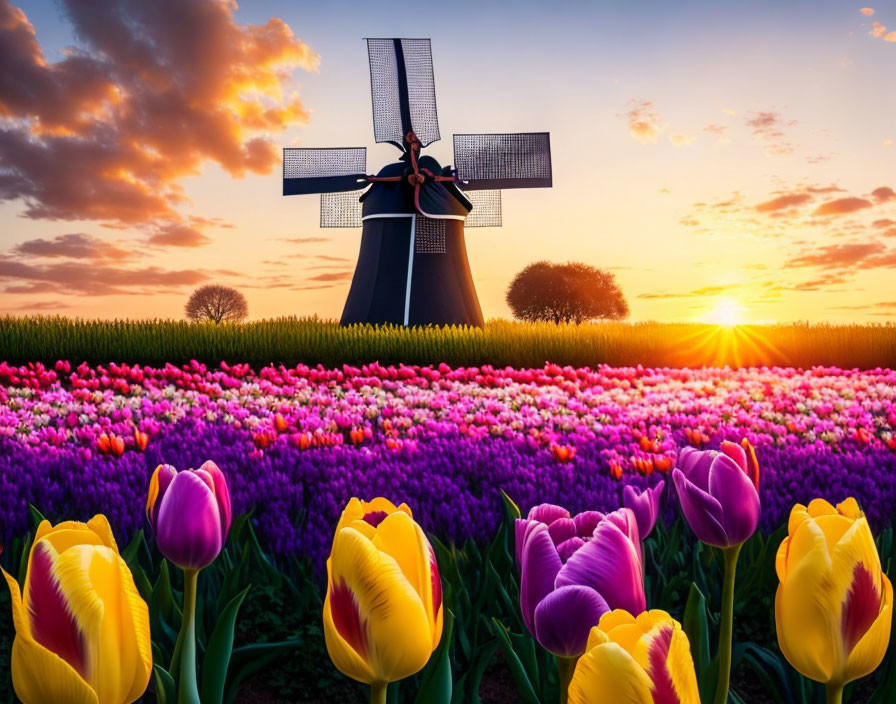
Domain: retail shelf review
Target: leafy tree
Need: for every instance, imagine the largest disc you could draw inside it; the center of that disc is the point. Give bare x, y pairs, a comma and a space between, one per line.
565, 293
218, 304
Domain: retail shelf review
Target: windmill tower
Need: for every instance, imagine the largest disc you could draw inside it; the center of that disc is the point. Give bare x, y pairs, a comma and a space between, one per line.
412, 266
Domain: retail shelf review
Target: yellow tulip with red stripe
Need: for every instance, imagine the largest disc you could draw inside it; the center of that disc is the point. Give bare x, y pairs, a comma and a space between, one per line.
82, 629
834, 605
383, 610
636, 660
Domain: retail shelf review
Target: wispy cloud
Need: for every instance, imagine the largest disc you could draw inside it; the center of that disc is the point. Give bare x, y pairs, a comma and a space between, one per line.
77, 245
643, 121
92, 279
768, 127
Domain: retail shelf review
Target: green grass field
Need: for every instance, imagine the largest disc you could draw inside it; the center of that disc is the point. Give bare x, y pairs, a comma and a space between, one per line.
500, 343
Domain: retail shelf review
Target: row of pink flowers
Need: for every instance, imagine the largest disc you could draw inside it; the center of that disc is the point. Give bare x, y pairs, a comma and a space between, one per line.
117, 408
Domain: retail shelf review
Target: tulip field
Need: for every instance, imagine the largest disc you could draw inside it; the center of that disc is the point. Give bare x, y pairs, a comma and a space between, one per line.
545, 533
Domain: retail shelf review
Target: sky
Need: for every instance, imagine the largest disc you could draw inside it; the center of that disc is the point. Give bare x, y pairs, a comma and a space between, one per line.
727, 161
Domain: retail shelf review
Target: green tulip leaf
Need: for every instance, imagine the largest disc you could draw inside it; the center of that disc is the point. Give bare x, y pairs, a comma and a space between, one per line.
524, 687
166, 690
694, 624
218, 651
36, 516
438, 683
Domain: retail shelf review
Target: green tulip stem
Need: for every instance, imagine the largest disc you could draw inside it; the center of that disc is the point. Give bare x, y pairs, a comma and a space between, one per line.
566, 667
727, 625
378, 692
833, 694
188, 691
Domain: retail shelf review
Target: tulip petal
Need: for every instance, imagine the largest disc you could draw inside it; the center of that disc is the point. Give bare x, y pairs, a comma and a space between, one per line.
400, 537
567, 548
670, 666
92, 580
158, 484
222, 494
702, 511
695, 465
607, 673
850, 508
645, 506
868, 653
99, 524
737, 495
609, 564
39, 675
135, 620
807, 615
68, 534
564, 618
53, 621
547, 513
188, 530
391, 614
586, 522
539, 566
562, 529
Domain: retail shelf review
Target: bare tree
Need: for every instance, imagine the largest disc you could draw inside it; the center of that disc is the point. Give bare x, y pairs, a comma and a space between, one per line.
565, 293
217, 303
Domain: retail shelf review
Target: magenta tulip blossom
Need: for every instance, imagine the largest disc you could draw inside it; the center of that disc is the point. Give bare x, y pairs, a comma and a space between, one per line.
190, 513
719, 492
575, 569
645, 505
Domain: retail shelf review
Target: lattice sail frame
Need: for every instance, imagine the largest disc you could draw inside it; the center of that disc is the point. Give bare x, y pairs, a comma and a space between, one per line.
403, 91
497, 161
324, 170
486, 210
340, 210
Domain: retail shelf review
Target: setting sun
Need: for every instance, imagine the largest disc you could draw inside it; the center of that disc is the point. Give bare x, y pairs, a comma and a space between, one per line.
727, 313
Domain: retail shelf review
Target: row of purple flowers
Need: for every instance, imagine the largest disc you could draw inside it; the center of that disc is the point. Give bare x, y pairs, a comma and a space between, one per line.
454, 483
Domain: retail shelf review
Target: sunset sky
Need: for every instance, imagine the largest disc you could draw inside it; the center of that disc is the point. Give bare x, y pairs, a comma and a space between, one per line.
728, 161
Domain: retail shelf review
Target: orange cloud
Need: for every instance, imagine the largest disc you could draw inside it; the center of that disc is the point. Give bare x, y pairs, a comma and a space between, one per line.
643, 121
867, 11
788, 200
155, 90
883, 194
842, 206
836, 256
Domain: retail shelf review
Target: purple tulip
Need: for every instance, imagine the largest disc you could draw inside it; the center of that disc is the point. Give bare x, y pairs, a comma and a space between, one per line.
190, 513
575, 569
645, 505
719, 492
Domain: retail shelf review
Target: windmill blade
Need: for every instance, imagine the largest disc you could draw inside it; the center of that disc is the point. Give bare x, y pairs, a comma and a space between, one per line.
307, 170
403, 90
340, 210
486, 210
495, 161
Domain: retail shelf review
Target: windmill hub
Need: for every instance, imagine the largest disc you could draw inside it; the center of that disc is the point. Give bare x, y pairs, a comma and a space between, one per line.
412, 266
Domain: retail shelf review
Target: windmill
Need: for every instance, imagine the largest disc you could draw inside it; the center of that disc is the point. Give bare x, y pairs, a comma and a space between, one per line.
412, 266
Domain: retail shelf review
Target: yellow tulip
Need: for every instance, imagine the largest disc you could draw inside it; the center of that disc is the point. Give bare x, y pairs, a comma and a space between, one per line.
636, 660
834, 604
82, 630
383, 610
